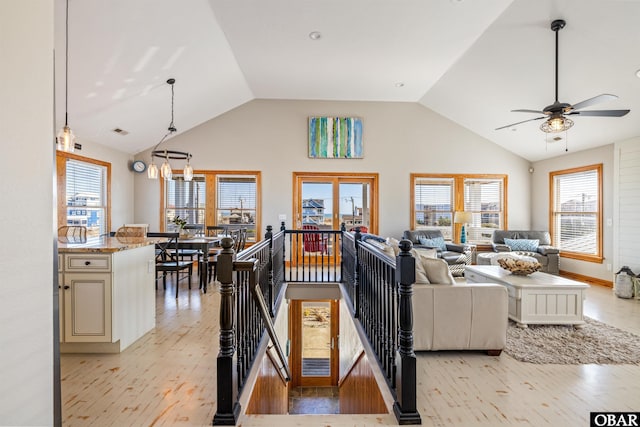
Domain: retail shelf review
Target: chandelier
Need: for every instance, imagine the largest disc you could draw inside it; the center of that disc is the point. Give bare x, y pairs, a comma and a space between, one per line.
165, 169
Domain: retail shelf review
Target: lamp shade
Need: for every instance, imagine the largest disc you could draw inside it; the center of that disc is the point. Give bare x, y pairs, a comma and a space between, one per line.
462, 217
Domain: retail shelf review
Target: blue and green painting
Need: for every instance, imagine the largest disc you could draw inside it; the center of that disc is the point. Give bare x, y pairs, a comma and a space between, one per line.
335, 137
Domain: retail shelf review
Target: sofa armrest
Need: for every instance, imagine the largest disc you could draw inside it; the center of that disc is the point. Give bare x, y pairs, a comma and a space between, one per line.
500, 247
548, 250
455, 247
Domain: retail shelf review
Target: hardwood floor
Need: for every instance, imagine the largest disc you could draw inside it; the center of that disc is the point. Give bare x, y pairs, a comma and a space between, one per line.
167, 378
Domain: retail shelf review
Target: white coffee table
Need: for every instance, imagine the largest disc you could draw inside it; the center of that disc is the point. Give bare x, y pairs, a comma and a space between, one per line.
538, 298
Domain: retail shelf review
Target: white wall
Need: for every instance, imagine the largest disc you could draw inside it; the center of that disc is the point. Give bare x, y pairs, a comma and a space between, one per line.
121, 179
27, 214
399, 138
540, 203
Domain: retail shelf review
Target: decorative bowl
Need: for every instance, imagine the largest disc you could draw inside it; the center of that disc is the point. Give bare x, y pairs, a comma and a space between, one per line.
519, 267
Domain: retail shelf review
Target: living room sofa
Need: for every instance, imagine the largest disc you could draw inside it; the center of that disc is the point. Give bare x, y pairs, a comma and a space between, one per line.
448, 313
545, 253
456, 255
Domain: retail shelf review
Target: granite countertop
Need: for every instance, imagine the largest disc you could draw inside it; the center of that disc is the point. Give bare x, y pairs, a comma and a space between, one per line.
105, 244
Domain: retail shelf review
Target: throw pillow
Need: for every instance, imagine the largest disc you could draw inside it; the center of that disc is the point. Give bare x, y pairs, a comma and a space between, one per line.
421, 274
394, 243
436, 242
530, 245
437, 271
383, 247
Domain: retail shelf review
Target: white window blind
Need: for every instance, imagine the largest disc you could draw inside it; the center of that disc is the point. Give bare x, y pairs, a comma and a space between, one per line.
85, 186
236, 202
576, 216
484, 199
186, 199
434, 204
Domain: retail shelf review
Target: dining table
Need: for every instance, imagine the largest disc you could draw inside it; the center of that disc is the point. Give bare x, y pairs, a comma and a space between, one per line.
202, 244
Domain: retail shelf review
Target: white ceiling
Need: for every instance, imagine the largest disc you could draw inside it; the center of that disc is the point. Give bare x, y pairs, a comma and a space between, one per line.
470, 60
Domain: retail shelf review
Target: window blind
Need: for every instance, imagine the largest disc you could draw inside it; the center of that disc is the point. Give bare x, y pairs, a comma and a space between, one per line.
483, 198
186, 199
576, 204
434, 204
236, 200
85, 186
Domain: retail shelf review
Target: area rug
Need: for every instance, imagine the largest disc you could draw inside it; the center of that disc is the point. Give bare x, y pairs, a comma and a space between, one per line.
596, 342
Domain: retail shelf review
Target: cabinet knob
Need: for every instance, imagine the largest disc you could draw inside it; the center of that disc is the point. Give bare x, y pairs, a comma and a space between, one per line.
66, 286
87, 263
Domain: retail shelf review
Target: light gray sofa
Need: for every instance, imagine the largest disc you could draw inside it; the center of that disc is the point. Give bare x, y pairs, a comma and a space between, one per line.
456, 315
546, 254
462, 316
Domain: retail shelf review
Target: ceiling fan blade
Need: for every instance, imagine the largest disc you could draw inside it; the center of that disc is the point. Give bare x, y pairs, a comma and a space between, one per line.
595, 100
600, 113
527, 111
524, 121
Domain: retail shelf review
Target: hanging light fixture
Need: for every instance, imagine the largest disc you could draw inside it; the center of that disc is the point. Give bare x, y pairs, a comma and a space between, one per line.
66, 138
165, 170
556, 123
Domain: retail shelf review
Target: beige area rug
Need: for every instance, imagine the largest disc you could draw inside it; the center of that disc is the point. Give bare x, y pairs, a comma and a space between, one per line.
596, 342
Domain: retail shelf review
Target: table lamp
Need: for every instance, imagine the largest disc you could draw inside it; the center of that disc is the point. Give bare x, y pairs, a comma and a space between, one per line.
462, 217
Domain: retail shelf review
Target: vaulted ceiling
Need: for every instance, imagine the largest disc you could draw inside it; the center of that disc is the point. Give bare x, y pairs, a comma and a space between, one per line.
471, 61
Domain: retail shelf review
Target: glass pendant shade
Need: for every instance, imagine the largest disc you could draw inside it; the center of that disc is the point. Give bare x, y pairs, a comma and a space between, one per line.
66, 139
556, 124
165, 170
152, 171
187, 172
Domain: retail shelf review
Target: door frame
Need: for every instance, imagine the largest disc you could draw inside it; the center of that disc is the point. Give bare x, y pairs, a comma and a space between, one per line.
335, 178
295, 356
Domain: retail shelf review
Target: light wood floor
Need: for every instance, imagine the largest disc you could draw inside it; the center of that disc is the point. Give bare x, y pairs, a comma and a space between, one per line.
167, 378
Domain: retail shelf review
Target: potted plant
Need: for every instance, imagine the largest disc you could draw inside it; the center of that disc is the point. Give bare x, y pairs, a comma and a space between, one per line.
180, 223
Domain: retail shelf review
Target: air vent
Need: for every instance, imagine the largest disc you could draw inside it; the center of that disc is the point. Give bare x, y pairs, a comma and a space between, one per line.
121, 131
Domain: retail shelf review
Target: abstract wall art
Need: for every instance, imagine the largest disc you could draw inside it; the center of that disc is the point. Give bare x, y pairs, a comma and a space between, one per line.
335, 138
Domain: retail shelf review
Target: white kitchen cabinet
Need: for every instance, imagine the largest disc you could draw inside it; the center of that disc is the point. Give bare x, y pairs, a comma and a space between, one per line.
107, 298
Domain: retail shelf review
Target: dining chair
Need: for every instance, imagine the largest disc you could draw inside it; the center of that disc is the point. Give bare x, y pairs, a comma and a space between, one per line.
239, 236
168, 260
72, 234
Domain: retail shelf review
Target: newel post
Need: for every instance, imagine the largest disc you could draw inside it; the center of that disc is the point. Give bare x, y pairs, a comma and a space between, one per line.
269, 236
405, 407
228, 407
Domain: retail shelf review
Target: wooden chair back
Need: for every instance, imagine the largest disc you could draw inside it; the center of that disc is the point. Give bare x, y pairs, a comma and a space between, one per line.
72, 234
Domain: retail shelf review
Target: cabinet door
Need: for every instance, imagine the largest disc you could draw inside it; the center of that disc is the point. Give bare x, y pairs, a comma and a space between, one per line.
61, 306
87, 307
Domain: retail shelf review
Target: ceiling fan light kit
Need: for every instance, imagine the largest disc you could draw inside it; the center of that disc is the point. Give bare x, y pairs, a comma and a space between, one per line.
555, 115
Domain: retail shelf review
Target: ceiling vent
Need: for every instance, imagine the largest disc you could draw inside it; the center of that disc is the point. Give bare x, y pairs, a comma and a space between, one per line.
121, 131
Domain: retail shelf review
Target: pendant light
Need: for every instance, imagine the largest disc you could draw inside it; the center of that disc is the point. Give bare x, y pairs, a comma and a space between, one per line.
165, 170
66, 138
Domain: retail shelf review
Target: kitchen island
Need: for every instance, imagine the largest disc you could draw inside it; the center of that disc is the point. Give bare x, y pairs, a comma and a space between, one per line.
106, 293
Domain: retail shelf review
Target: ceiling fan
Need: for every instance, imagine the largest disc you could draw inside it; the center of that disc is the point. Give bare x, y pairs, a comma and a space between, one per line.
556, 113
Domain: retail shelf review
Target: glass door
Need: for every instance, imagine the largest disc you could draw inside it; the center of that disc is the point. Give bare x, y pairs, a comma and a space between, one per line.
314, 347
327, 200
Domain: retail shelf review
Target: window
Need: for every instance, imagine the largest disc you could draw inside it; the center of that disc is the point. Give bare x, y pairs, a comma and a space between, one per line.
436, 198
484, 197
185, 199
236, 202
434, 205
214, 198
83, 189
576, 219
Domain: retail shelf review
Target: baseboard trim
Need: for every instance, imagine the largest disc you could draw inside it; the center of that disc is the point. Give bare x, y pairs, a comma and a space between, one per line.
586, 279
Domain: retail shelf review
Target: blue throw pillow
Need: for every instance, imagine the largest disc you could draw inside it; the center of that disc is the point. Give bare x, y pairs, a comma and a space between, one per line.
436, 242
365, 236
528, 245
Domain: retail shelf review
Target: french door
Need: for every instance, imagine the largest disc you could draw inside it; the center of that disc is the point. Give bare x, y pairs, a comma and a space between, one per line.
327, 200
